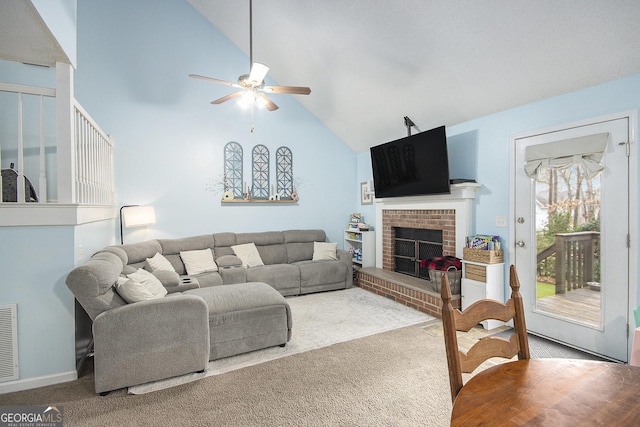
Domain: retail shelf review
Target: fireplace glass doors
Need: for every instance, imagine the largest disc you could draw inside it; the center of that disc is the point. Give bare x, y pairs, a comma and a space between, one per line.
413, 247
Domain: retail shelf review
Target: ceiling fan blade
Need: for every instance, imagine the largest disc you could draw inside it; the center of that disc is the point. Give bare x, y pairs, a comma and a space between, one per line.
269, 104
258, 73
227, 97
295, 90
211, 79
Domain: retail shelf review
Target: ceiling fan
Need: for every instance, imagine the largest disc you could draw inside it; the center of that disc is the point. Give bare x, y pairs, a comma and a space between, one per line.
252, 84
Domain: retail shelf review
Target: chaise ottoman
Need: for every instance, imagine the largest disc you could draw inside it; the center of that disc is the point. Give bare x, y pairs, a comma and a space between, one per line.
245, 317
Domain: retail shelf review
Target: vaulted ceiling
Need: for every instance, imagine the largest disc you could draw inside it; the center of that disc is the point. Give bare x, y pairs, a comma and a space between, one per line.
440, 62
370, 63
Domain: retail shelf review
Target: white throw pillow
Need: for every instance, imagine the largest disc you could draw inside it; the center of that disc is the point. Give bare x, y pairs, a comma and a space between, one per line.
324, 250
197, 262
150, 282
159, 263
132, 291
249, 255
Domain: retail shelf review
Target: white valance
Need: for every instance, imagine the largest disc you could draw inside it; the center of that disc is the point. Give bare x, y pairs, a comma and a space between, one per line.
587, 151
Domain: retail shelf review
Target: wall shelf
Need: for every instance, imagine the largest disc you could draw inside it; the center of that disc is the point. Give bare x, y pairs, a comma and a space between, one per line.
257, 201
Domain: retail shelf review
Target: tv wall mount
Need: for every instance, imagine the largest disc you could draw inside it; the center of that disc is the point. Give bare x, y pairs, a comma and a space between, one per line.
409, 124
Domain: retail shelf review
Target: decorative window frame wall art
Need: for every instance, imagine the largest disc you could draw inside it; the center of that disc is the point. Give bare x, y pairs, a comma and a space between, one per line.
366, 196
235, 188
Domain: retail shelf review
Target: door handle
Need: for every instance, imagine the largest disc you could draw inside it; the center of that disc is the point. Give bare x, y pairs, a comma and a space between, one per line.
520, 244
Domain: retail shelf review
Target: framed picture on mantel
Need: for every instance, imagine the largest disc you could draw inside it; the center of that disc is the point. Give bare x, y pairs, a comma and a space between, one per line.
366, 196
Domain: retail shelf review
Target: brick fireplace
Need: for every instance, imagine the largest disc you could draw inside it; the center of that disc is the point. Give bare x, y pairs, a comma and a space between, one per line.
451, 213
441, 219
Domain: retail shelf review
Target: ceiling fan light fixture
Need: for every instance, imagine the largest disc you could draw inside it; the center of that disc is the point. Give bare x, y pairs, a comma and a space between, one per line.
246, 99
258, 73
261, 102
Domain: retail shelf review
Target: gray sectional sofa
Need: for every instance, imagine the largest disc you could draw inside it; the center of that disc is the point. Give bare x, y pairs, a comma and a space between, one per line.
205, 316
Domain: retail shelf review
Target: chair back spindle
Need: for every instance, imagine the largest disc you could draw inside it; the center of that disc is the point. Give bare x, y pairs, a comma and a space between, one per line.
454, 320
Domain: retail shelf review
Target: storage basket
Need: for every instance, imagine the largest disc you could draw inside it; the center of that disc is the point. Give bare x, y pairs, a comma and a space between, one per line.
475, 272
483, 255
453, 275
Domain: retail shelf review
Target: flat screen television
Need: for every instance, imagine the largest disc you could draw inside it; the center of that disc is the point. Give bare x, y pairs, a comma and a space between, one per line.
414, 165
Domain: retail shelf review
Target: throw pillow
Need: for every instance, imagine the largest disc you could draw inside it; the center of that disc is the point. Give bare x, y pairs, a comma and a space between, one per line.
200, 261
132, 291
159, 263
249, 255
324, 250
150, 282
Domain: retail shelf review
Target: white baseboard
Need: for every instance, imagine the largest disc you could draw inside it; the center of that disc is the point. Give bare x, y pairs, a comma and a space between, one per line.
29, 383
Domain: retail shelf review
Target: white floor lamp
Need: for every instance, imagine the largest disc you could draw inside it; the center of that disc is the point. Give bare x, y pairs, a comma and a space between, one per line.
136, 216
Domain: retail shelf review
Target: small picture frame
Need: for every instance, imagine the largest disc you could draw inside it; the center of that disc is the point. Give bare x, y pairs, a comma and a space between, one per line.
366, 196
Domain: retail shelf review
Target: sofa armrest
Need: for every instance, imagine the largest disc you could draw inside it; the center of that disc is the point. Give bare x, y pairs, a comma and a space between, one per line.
346, 258
150, 340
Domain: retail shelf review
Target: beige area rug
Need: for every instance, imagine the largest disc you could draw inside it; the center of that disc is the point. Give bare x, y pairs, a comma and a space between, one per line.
319, 320
396, 378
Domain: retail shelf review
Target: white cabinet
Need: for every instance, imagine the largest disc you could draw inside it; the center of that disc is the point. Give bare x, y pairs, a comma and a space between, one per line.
481, 281
362, 244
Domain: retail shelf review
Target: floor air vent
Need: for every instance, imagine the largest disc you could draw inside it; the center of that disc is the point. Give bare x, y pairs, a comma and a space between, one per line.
8, 342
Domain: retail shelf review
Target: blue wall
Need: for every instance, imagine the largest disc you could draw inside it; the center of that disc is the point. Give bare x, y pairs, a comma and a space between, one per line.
35, 263
480, 148
133, 62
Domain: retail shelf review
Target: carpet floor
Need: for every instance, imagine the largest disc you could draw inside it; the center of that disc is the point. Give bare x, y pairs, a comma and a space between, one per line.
395, 378
319, 320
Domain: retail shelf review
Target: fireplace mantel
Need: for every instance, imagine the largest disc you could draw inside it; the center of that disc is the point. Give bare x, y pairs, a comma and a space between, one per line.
461, 200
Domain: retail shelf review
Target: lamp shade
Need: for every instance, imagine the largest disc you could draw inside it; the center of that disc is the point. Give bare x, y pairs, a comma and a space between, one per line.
138, 216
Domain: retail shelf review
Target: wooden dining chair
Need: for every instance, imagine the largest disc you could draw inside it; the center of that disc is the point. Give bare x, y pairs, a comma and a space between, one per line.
455, 320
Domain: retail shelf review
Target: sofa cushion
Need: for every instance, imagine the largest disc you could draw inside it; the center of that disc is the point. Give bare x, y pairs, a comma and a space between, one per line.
303, 236
206, 280
299, 251
228, 261
299, 243
263, 238
133, 291
324, 250
198, 261
139, 252
176, 263
285, 278
314, 273
158, 263
249, 255
273, 254
92, 283
149, 281
175, 246
167, 278
223, 242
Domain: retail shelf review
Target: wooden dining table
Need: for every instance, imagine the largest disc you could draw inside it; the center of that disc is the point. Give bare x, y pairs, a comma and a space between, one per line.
550, 392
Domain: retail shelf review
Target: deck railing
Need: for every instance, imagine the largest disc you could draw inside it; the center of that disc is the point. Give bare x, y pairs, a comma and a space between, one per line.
575, 256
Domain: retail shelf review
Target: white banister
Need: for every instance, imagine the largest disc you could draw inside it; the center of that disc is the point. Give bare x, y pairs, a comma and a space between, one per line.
42, 182
20, 178
65, 133
84, 178
94, 157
